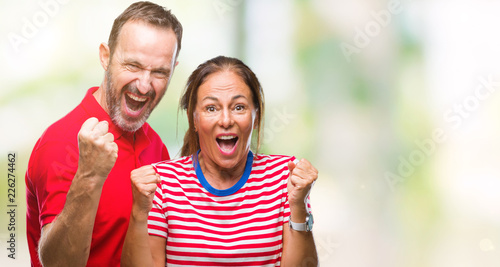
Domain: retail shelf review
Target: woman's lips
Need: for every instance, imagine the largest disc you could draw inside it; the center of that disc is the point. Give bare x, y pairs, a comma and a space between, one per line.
227, 143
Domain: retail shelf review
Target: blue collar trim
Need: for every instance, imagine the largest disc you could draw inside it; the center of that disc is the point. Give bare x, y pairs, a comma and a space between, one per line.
228, 191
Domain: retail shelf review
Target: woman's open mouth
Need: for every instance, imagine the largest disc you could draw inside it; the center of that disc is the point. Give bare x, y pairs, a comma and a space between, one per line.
227, 143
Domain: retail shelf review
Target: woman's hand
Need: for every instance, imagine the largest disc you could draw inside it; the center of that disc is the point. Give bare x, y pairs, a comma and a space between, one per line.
144, 183
298, 246
302, 177
138, 247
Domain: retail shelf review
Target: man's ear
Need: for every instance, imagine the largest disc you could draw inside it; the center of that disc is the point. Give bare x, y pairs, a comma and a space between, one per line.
104, 55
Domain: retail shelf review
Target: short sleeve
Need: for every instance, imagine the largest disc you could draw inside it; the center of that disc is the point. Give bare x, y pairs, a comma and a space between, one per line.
52, 170
286, 174
157, 219
286, 206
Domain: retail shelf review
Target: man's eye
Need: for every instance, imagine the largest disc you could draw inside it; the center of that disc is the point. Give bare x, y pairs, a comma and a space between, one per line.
160, 74
133, 67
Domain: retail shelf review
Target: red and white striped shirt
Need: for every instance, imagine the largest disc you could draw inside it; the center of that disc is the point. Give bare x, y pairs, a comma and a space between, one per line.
239, 226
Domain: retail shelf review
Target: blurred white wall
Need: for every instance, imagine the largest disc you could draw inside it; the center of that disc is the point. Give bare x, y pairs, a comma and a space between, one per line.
359, 88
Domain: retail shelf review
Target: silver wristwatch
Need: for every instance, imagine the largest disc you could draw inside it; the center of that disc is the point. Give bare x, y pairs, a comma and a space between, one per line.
303, 227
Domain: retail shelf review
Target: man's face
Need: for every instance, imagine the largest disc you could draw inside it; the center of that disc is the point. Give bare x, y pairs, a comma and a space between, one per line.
138, 73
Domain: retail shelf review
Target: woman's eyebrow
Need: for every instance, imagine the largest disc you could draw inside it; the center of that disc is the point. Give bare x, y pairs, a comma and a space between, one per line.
210, 98
216, 99
238, 96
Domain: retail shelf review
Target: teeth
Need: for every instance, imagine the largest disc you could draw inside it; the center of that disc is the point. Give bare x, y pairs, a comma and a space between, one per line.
227, 137
136, 98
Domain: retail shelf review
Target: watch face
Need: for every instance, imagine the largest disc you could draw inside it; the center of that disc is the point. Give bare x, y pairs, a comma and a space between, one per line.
310, 222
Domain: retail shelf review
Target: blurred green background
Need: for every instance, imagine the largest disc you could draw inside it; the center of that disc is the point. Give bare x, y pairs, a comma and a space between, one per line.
395, 102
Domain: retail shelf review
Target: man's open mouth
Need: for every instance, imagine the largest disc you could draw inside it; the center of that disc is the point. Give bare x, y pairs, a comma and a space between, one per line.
227, 143
135, 103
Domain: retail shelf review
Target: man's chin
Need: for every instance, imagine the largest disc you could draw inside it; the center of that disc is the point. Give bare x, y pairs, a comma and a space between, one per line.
130, 125
125, 120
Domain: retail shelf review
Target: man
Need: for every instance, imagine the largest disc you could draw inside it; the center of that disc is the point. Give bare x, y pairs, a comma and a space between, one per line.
78, 179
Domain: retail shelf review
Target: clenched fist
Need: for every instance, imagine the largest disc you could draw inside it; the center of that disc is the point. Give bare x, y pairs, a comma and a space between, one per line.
98, 151
302, 177
144, 180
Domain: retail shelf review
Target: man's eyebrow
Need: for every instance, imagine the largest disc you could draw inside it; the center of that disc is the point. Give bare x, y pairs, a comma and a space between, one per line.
138, 64
132, 61
161, 69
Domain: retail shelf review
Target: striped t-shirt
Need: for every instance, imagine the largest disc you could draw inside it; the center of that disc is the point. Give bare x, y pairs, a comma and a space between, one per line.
239, 226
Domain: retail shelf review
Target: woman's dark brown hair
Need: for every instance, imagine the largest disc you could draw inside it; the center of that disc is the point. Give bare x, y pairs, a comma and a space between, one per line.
189, 97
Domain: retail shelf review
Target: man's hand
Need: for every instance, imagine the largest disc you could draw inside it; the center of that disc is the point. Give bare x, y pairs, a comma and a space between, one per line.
302, 177
98, 151
144, 183
60, 244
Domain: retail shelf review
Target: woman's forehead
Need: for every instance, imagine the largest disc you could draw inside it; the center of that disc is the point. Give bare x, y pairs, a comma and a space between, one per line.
225, 84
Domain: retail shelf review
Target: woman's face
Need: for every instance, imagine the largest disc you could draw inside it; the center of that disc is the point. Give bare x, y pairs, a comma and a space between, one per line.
224, 119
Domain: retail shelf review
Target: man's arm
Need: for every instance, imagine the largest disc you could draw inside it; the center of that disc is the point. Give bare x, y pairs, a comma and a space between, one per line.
66, 241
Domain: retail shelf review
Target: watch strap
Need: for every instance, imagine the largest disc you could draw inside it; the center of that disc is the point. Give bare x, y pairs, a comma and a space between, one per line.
302, 227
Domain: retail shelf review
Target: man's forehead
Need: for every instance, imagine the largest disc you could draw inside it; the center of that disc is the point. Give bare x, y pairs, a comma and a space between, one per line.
138, 30
140, 39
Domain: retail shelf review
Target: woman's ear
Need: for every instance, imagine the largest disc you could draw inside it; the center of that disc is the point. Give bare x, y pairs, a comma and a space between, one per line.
256, 121
195, 121
104, 55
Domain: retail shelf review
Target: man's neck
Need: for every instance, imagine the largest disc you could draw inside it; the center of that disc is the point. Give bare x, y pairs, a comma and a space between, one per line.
100, 97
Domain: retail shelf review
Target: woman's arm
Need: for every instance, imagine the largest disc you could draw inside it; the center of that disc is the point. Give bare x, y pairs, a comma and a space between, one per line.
140, 249
298, 246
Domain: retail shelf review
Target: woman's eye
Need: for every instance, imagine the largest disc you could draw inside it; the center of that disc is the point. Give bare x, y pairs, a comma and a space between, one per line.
210, 108
239, 107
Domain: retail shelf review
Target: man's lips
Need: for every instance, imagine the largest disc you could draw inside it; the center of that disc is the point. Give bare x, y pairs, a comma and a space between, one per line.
134, 104
137, 98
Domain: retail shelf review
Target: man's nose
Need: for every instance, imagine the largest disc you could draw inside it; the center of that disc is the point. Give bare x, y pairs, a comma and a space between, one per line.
144, 82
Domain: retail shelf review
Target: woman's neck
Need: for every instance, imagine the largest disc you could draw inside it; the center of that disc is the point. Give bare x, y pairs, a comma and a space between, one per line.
218, 177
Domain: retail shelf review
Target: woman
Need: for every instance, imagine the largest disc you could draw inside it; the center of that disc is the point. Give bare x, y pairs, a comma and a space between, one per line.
220, 204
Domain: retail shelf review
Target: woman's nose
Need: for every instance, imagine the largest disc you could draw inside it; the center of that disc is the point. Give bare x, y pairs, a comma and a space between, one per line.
226, 119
